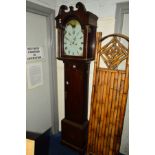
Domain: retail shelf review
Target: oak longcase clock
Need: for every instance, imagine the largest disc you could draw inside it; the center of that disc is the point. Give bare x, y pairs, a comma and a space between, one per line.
76, 48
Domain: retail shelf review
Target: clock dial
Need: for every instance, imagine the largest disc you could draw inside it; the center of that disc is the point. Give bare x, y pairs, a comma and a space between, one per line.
73, 39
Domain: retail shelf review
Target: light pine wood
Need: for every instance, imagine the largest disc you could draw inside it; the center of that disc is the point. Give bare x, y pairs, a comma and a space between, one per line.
30, 146
109, 96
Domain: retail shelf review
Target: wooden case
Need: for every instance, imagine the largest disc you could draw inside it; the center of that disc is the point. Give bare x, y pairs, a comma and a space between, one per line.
88, 23
75, 123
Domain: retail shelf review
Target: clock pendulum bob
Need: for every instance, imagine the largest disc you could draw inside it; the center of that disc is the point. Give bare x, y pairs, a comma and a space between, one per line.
75, 123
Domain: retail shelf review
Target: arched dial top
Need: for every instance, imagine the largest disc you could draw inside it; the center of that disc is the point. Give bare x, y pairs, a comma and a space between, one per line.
73, 39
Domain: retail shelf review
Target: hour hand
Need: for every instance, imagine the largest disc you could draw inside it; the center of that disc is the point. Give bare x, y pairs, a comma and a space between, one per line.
68, 39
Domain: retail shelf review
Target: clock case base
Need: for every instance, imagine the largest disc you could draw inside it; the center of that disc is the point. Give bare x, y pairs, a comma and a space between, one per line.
74, 135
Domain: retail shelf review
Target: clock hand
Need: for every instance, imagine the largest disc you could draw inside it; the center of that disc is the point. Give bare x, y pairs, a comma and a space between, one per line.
68, 39
76, 35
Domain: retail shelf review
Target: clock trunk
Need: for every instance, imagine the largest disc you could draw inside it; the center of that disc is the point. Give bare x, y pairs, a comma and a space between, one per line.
75, 124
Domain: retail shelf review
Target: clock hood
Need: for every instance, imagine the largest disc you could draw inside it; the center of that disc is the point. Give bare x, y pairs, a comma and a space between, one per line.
85, 17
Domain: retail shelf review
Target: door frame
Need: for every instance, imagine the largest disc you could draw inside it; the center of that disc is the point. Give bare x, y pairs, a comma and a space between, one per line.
121, 9
50, 16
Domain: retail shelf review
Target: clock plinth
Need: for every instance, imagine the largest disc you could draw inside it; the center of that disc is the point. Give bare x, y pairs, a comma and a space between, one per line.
74, 135
76, 48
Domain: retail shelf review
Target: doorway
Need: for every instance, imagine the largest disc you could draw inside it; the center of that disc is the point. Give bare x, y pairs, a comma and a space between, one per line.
41, 99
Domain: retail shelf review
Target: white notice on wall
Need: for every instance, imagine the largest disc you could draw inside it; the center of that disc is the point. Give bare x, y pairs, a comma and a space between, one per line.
34, 53
34, 75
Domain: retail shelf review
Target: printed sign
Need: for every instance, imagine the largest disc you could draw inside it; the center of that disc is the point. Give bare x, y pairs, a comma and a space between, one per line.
34, 74
34, 53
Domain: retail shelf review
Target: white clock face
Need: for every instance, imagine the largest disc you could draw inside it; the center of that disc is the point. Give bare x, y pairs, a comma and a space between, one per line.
73, 39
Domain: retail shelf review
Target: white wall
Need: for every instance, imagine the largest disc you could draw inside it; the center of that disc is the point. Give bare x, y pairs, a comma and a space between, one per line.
125, 135
47, 3
38, 100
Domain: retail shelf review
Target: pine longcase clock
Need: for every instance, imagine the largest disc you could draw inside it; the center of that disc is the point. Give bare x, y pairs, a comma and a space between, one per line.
76, 48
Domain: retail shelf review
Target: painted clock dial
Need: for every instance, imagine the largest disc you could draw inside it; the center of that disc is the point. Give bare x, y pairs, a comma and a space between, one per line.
73, 39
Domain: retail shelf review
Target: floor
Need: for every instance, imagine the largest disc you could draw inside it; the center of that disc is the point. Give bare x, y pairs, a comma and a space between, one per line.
56, 148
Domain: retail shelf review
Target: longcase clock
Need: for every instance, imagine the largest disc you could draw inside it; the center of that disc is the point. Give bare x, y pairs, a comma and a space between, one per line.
76, 48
